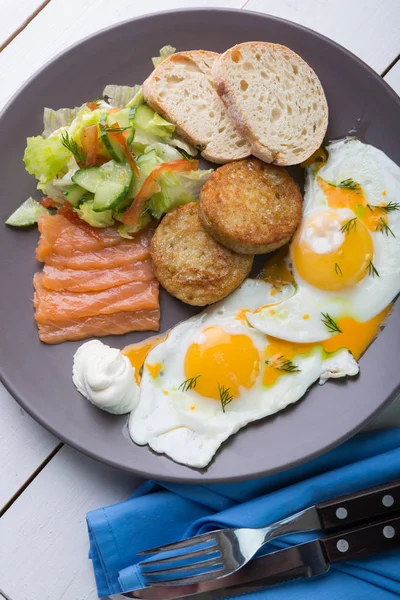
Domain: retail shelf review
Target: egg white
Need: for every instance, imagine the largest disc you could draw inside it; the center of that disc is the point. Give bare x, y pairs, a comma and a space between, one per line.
375, 172
165, 418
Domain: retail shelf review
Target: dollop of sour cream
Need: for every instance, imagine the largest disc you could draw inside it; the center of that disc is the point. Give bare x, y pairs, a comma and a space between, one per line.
105, 377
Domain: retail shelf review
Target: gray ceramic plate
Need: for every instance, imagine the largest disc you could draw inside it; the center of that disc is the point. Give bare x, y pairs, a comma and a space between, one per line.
39, 376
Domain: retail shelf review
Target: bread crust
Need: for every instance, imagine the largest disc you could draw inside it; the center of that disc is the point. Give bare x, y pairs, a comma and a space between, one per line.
190, 264
261, 147
251, 207
214, 145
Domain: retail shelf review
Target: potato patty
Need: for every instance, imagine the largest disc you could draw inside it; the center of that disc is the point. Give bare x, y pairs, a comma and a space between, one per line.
190, 264
251, 207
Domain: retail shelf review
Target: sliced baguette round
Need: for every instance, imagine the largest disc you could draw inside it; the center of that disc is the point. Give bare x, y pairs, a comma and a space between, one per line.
181, 90
275, 98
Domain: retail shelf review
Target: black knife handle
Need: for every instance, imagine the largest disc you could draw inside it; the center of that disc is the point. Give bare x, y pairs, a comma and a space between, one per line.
364, 540
364, 505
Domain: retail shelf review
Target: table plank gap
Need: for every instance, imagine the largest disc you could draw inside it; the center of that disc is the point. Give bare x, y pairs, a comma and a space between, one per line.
28, 482
45, 528
393, 77
24, 446
392, 64
25, 23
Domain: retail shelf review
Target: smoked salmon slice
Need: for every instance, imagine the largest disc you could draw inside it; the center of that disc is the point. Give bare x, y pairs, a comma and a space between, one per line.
61, 236
94, 283
125, 253
93, 280
62, 306
99, 326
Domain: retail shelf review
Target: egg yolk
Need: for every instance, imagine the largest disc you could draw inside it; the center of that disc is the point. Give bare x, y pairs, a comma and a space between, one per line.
275, 270
137, 352
328, 257
373, 217
222, 359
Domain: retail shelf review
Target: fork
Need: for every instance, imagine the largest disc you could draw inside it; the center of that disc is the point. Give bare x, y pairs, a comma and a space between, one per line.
222, 552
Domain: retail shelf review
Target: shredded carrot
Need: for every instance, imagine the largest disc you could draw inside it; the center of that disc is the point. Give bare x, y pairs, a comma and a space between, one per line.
150, 186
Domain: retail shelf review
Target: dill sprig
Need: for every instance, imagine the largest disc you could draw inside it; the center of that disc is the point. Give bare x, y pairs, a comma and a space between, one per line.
283, 364
390, 207
384, 227
189, 384
372, 271
350, 225
185, 154
348, 184
224, 396
71, 145
330, 323
338, 270
109, 129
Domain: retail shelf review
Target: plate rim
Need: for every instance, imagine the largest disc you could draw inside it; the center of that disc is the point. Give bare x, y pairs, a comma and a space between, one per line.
187, 478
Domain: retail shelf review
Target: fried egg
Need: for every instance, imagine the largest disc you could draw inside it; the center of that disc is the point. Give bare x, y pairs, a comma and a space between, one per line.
214, 374
344, 260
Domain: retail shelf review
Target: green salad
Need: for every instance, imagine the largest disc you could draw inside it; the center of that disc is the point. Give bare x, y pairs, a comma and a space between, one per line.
110, 161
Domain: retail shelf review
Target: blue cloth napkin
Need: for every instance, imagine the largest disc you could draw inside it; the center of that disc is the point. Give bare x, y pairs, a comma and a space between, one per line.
161, 512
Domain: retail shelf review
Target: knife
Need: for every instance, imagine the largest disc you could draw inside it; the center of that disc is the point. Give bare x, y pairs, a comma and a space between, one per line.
302, 561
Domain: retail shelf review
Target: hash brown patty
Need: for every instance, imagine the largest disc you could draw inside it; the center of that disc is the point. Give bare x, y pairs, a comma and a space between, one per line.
190, 264
251, 207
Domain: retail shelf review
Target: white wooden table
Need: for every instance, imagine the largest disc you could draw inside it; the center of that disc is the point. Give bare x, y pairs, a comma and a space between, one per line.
45, 487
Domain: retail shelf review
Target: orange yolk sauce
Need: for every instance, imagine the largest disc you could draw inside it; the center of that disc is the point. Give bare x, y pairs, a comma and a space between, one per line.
137, 355
355, 336
339, 197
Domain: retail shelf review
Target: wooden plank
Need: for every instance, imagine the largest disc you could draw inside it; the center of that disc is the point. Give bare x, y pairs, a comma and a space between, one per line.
12, 18
24, 445
45, 529
393, 77
370, 28
61, 24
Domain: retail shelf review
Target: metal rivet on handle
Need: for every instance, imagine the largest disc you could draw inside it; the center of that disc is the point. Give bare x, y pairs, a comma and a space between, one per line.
388, 500
388, 531
342, 545
341, 513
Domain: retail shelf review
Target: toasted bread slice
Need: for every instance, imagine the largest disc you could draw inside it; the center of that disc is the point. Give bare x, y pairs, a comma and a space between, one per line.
181, 90
275, 98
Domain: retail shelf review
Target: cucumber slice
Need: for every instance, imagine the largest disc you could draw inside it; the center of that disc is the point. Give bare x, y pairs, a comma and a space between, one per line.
143, 115
121, 117
89, 178
27, 214
114, 187
114, 149
108, 195
75, 194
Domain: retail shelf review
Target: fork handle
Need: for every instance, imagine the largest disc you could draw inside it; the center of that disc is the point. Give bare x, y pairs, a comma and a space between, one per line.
364, 540
357, 507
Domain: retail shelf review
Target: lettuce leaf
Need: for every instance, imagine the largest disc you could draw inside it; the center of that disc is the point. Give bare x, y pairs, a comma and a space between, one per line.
95, 219
137, 98
178, 142
160, 127
125, 231
166, 152
84, 118
165, 51
122, 96
45, 157
54, 119
177, 189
